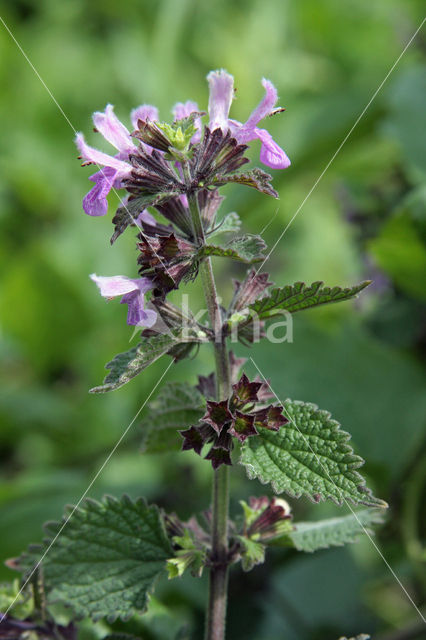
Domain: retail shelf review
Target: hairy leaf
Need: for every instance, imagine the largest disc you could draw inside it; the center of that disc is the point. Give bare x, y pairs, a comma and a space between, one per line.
18, 603
333, 532
308, 456
248, 248
106, 559
252, 553
256, 178
129, 364
178, 406
231, 223
298, 296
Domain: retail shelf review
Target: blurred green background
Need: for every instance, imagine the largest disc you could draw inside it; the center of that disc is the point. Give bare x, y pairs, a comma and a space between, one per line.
365, 219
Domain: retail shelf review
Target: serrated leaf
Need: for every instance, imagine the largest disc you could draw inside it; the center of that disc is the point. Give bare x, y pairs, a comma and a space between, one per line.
299, 296
125, 366
16, 602
333, 532
106, 559
248, 248
256, 178
252, 553
178, 406
308, 456
231, 223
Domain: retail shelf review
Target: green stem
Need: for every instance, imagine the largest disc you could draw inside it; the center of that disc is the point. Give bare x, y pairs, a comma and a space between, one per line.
218, 577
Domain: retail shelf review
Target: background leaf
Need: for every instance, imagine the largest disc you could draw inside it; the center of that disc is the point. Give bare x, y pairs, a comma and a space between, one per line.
178, 406
334, 532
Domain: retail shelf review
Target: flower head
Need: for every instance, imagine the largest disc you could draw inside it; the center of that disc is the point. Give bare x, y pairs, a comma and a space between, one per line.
236, 417
266, 518
221, 95
147, 161
112, 169
132, 291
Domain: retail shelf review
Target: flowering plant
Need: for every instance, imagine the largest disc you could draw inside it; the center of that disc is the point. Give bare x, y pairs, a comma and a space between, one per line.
102, 561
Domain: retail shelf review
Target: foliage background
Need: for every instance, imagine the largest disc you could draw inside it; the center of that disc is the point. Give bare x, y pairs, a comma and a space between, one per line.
365, 219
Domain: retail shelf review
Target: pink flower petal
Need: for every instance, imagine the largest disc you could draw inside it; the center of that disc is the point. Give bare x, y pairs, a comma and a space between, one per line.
150, 318
184, 109
95, 202
110, 287
143, 284
113, 130
221, 86
271, 154
89, 154
146, 217
137, 315
143, 112
265, 107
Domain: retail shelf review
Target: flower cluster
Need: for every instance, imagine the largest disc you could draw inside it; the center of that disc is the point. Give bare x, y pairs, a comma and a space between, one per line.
236, 417
264, 517
160, 165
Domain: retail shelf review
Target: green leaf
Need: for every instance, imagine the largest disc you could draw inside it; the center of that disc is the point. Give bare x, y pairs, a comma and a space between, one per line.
333, 532
181, 131
248, 248
194, 559
190, 554
129, 364
106, 559
178, 406
400, 251
252, 553
121, 636
308, 456
256, 178
298, 296
231, 223
18, 604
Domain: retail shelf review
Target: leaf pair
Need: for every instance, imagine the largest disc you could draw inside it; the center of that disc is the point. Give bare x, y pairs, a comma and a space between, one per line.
308, 456
109, 554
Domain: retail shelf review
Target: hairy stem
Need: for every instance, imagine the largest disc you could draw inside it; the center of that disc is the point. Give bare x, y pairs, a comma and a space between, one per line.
218, 577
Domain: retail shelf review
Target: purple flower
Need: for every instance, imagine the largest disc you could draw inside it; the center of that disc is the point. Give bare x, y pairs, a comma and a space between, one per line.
115, 168
144, 112
221, 86
132, 290
146, 217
